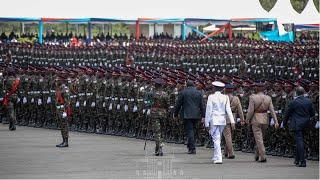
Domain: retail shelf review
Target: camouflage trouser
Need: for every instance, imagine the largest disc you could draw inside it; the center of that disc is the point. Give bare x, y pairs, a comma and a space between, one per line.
157, 132
158, 115
63, 123
11, 113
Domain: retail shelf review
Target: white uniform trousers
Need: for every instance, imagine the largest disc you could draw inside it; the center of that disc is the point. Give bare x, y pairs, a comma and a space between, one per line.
216, 134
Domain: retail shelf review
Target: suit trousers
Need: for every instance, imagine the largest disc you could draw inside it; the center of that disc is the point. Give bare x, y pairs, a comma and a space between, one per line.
227, 133
299, 147
190, 125
259, 133
216, 133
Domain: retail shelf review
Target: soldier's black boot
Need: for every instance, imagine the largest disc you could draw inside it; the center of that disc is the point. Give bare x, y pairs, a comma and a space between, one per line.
286, 153
269, 150
134, 134
237, 147
274, 152
59, 145
309, 155
73, 127
12, 126
63, 144
160, 151
250, 150
280, 152
180, 141
4, 120
290, 155
315, 157
149, 136
171, 139
78, 127
156, 151
198, 143
108, 131
244, 147
209, 144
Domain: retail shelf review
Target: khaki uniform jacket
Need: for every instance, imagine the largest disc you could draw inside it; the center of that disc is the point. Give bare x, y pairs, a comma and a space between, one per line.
259, 105
236, 107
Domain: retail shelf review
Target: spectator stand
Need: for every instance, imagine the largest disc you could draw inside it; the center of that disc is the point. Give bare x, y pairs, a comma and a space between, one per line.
19, 19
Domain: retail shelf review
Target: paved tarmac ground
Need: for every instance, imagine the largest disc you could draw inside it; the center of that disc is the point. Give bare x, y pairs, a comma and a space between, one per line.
31, 153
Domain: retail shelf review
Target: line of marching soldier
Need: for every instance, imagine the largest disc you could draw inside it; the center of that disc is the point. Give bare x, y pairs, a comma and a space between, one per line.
115, 101
239, 57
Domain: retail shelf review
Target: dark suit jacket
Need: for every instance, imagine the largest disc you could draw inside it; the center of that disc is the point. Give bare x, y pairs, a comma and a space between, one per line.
190, 102
299, 112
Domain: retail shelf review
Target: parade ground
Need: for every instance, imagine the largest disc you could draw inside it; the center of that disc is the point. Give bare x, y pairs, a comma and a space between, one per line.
31, 153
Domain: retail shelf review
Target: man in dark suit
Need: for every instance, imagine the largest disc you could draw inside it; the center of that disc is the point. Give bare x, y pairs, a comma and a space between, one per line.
299, 112
190, 102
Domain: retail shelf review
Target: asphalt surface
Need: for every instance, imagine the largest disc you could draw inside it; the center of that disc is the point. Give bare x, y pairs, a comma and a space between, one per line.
31, 153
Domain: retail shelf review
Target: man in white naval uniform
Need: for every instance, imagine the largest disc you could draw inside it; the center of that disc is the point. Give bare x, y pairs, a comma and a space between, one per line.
218, 109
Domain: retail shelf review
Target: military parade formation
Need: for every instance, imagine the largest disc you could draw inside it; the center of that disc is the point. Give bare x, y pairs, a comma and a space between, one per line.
129, 88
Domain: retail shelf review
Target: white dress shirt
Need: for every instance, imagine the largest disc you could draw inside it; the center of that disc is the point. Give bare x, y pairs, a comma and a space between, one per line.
218, 108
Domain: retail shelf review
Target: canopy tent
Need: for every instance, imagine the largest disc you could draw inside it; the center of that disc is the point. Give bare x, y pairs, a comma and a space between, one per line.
210, 28
160, 21
236, 28
19, 19
307, 26
186, 24
202, 21
66, 20
203, 12
110, 21
244, 28
128, 9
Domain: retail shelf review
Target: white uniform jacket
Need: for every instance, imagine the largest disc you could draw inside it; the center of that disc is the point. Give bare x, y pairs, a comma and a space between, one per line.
218, 108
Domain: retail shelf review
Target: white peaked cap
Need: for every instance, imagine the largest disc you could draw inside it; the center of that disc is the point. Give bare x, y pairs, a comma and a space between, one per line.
218, 84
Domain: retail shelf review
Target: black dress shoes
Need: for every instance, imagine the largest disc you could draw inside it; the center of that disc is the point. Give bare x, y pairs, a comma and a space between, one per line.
301, 165
192, 152
256, 158
263, 160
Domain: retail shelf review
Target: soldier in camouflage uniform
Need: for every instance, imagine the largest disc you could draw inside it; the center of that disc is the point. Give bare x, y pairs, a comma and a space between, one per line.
236, 109
275, 92
61, 102
313, 134
159, 109
248, 141
10, 99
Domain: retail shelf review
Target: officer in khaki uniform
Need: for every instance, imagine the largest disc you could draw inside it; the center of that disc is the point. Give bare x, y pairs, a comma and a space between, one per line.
236, 109
259, 105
